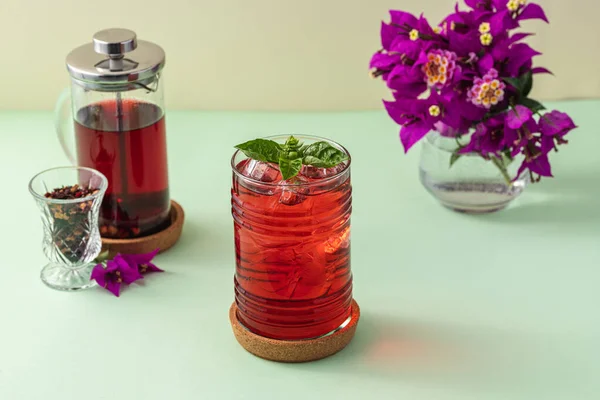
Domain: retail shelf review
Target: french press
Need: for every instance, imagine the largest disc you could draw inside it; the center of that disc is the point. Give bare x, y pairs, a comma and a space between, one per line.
113, 120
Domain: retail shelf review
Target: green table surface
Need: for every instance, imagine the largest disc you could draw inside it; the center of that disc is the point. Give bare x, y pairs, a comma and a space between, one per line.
502, 306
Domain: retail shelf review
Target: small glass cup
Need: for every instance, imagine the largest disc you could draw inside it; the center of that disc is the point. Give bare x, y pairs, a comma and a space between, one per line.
71, 238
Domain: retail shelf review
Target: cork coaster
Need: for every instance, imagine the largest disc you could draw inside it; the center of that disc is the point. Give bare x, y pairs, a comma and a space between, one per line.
163, 240
294, 351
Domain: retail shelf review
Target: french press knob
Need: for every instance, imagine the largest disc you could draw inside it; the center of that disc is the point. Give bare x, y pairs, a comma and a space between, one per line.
115, 43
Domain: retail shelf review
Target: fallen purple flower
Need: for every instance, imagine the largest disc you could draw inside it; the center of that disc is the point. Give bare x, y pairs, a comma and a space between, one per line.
142, 262
116, 273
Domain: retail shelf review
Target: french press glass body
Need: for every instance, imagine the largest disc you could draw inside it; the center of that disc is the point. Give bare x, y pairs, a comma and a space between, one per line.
113, 120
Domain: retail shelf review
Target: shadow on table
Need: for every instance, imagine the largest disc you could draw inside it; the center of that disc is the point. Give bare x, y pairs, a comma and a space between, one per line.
571, 200
201, 239
444, 356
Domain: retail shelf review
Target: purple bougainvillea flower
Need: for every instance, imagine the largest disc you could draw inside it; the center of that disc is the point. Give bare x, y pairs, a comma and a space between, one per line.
500, 23
519, 36
383, 64
556, 123
401, 18
408, 50
520, 139
403, 39
541, 70
116, 273
384, 61
519, 10
417, 117
412, 132
142, 262
406, 81
487, 139
425, 28
499, 4
404, 27
518, 116
463, 20
405, 74
532, 11
519, 58
485, 64
445, 130
400, 110
388, 33
459, 112
461, 30
463, 43
464, 66
554, 126
538, 164
480, 5
397, 28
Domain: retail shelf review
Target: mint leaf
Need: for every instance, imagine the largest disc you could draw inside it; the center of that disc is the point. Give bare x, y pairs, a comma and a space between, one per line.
532, 104
322, 155
261, 150
289, 167
292, 143
293, 154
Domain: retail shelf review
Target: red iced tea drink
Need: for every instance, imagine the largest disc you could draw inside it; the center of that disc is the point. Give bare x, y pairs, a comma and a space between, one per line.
292, 247
128, 146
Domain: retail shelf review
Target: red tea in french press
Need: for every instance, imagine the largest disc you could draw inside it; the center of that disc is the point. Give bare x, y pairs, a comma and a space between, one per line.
117, 112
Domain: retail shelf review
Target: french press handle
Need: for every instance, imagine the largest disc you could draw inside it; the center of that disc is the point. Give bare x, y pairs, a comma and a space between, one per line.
114, 43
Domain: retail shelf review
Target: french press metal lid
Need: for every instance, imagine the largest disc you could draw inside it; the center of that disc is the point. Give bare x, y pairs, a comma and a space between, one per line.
116, 61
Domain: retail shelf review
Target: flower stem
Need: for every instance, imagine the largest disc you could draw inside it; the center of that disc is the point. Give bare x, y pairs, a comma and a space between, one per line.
498, 163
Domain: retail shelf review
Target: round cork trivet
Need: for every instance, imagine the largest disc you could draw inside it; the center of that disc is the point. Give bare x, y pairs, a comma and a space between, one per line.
162, 240
294, 351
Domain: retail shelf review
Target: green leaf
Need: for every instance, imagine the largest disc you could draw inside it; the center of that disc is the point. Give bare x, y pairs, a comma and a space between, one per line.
527, 83
323, 155
261, 150
292, 143
532, 104
289, 167
102, 257
507, 158
454, 158
514, 82
523, 83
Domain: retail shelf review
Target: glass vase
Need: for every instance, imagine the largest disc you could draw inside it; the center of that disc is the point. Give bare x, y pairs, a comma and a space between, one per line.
471, 184
292, 247
71, 237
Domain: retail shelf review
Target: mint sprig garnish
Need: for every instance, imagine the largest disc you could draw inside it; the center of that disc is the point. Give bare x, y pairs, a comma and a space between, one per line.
322, 155
292, 155
261, 150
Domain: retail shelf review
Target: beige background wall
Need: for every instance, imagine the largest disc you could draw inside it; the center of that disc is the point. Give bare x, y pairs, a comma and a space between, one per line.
262, 54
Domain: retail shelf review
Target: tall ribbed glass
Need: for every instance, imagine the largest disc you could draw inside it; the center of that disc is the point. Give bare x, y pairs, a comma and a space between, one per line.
292, 247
